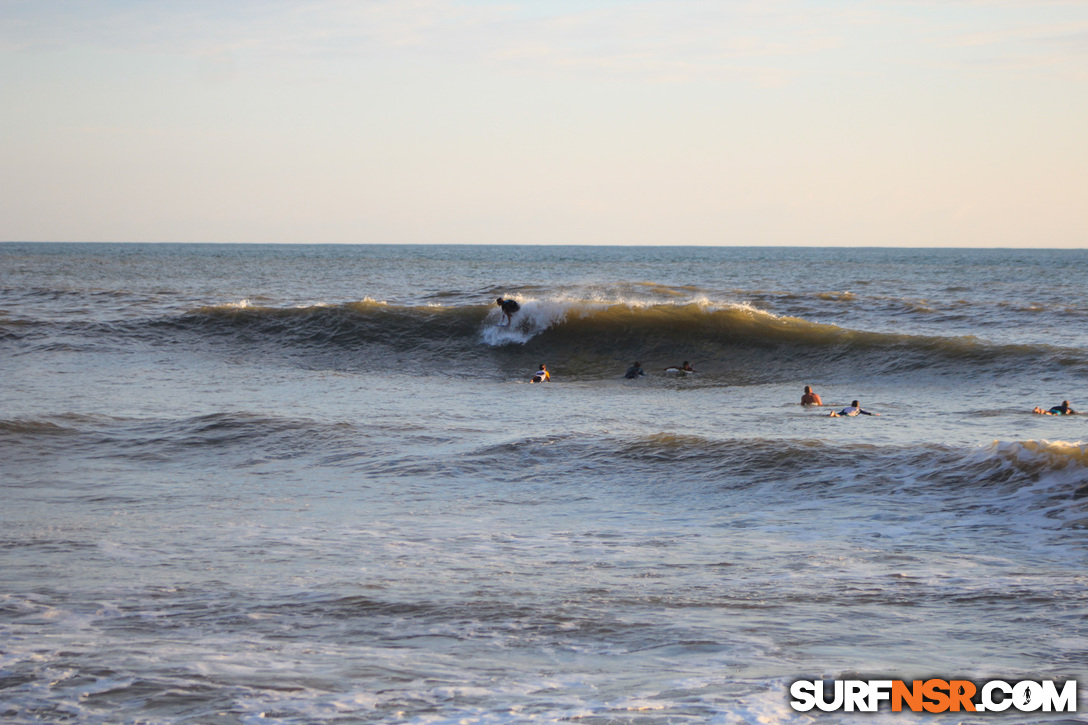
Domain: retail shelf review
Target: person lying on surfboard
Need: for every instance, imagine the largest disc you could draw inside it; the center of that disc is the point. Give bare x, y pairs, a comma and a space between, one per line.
508, 307
685, 368
854, 409
542, 375
1062, 409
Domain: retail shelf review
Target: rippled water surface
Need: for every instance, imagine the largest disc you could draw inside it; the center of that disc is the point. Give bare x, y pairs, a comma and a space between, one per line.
312, 484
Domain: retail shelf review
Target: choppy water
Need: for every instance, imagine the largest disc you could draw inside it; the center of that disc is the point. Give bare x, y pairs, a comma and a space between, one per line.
301, 484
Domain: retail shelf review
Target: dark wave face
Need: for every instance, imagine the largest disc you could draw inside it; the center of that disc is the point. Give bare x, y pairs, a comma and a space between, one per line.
585, 340
1054, 475
741, 316
852, 467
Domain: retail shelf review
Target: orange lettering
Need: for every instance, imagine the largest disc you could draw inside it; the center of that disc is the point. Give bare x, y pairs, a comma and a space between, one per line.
961, 692
935, 691
912, 695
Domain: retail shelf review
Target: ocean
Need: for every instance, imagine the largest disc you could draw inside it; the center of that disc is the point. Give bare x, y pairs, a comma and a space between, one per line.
302, 484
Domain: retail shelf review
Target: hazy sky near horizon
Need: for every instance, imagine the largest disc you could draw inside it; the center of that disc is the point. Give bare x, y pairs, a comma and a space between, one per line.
785, 122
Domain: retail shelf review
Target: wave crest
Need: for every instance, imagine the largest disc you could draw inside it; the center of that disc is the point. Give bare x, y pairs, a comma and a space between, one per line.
588, 338
1043, 455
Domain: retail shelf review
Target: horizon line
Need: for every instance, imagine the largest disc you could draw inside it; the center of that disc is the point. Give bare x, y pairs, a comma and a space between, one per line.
557, 245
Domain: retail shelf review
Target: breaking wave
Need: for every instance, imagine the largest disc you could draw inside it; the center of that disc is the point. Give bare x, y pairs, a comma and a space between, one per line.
581, 337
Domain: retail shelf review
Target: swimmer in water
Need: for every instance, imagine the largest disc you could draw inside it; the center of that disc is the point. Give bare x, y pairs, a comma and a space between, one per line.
810, 398
854, 409
1062, 409
634, 371
685, 368
542, 375
508, 307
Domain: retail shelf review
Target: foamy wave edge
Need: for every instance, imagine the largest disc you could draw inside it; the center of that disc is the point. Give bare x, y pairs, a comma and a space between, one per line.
539, 315
1054, 455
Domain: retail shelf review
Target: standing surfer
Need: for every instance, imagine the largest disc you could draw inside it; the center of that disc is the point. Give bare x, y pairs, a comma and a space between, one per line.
508, 307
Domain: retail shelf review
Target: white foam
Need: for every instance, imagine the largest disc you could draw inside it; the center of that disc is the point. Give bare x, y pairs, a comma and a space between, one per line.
536, 316
1055, 454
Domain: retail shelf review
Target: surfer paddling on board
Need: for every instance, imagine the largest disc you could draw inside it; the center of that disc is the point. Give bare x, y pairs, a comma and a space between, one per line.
680, 370
542, 375
508, 307
854, 409
1062, 409
810, 398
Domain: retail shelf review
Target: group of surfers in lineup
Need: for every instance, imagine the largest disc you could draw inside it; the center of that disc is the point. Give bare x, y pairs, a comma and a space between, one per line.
808, 398
543, 376
811, 398
509, 307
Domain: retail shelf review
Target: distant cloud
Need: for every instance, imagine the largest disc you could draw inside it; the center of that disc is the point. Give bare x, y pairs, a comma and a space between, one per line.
765, 42
192, 26
665, 40
217, 67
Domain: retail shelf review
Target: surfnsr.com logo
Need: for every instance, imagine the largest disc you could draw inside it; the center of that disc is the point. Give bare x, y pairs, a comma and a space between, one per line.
934, 695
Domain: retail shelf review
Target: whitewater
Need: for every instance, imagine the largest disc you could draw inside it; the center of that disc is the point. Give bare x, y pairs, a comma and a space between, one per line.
296, 484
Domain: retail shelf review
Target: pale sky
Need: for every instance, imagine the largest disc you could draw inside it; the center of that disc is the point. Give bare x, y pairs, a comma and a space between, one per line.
781, 122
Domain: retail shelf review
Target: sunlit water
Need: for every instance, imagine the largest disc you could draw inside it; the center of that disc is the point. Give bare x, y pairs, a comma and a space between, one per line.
300, 484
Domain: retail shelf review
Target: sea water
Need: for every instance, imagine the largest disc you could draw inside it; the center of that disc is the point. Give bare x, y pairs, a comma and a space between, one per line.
306, 484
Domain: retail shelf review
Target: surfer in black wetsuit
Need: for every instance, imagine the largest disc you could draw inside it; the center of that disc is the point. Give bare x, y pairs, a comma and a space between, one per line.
684, 369
634, 371
854, 409
1062, 409
508, 307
